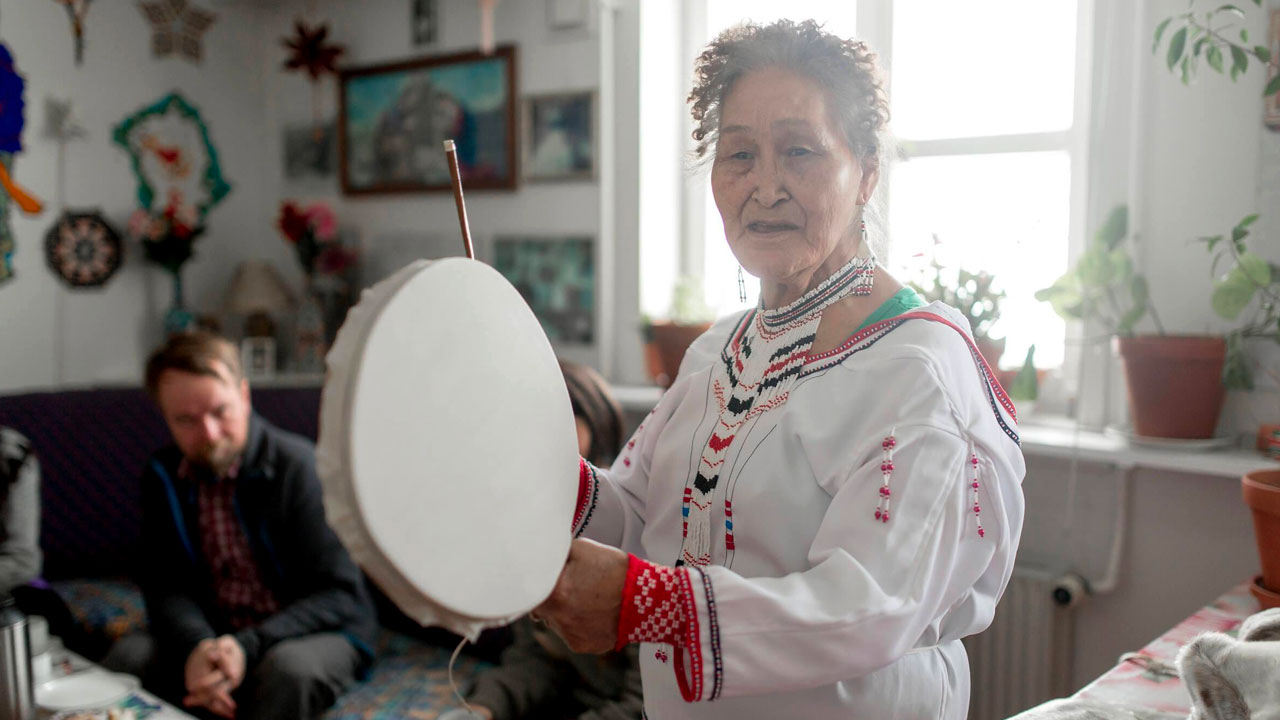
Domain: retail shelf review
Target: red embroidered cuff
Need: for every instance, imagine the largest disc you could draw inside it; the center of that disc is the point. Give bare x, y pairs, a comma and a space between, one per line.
658, 606
588, 486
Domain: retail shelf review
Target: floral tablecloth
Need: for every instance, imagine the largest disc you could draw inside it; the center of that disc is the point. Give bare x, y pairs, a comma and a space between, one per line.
1147, 679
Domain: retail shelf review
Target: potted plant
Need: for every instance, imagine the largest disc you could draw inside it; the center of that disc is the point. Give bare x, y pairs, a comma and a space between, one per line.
1261, 491
969, 292
1104, 289
667, 340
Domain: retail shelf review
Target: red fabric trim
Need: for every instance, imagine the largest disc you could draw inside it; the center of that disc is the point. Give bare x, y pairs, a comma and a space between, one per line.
584, 492
658, 606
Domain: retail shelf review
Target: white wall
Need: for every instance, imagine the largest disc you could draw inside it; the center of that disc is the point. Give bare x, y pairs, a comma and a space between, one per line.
50, 334
1198, 159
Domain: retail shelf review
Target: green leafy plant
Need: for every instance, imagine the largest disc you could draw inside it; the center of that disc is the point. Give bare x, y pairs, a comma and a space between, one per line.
1248, 291
969, 292
1211, 36
688, 307
1103, 287
688, 302
1026, 384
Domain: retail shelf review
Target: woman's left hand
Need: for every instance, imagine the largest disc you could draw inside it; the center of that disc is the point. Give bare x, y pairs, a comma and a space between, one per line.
587, 600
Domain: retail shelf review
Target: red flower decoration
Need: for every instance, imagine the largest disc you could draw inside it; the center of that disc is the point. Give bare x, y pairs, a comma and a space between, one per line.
309, 51
292, 222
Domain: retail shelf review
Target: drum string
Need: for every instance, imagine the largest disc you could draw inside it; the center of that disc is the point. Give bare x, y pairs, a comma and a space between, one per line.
454, 685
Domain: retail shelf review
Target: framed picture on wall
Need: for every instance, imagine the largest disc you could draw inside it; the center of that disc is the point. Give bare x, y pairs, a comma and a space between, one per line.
559, 137
424, 21
309, 152
393, 121
556, 275
1272, 102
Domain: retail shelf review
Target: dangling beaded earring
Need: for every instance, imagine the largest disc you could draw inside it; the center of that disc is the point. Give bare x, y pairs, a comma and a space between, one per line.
864, 268
742, 286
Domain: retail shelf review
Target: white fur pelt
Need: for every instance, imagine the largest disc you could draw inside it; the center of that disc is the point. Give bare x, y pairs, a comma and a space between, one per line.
1235, 679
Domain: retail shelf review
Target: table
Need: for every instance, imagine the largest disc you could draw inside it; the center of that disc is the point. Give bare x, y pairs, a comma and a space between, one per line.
1147, 680
145, 705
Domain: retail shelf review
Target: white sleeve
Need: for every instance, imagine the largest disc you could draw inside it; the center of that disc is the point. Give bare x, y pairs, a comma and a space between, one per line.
20, 552
611, 502
875, 590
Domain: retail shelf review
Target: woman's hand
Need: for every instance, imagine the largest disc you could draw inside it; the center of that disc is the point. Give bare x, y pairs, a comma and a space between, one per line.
587, 600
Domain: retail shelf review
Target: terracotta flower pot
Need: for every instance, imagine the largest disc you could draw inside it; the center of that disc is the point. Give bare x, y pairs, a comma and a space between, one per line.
667, 347
1175, 384
1261, 490
991, 350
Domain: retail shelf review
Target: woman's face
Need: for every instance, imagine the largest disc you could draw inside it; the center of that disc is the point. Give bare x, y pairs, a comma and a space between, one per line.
789, 188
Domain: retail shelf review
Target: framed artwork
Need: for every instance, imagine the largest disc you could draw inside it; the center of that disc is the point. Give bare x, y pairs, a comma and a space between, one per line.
393, 121
424, 21
557, 277
258, 356
560, 136
1272, 102
310, 152
568, 14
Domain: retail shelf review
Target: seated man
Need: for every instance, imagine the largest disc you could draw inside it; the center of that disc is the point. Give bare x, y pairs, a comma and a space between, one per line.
255, 608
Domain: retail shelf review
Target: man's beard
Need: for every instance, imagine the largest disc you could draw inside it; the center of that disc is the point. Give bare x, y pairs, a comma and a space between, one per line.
217, 460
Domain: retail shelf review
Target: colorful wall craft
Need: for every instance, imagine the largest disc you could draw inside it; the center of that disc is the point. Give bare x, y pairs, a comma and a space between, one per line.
83, 249
173, 159
76, 11
11, 122
177, 27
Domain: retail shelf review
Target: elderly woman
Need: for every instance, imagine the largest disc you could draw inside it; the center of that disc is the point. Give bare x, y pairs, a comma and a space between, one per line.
828, 498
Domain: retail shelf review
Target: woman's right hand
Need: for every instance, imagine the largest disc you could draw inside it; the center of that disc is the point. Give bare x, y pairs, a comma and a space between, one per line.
585, 605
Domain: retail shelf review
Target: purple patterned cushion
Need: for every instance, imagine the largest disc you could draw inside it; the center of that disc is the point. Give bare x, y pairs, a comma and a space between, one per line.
409, 680
104, 608
92, 446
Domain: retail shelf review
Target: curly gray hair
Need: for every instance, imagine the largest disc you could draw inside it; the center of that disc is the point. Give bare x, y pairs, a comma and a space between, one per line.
846, 69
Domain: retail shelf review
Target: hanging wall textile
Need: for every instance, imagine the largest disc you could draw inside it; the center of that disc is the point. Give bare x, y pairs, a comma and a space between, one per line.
176, 27
173, 159
11, 121
83, 249
76, 11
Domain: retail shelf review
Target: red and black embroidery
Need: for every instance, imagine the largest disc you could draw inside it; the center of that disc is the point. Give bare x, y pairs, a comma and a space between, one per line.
658, 606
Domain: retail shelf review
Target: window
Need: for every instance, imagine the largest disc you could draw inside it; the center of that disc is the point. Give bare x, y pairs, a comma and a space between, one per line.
985, 111
988, 115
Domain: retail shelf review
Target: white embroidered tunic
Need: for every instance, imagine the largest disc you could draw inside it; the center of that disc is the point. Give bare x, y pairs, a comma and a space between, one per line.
843, 568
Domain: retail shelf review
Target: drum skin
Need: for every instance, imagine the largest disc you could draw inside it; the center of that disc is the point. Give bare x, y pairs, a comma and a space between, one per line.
448, 452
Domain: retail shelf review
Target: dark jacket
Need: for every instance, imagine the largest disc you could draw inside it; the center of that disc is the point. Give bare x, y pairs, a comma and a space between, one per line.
278, 503
540, 677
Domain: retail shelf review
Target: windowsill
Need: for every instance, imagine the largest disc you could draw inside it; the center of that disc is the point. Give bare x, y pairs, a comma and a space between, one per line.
637, 398
1057, 437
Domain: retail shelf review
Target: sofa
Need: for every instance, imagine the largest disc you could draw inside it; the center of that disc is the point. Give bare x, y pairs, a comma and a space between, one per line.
92, 445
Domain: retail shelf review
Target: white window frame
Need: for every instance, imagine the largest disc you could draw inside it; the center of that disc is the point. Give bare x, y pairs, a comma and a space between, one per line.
875, 26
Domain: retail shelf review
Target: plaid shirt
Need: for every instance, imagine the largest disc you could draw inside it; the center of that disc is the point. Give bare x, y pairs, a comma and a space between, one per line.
237, 584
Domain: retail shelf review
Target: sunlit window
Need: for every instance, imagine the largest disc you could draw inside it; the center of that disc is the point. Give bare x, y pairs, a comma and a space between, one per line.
985, 116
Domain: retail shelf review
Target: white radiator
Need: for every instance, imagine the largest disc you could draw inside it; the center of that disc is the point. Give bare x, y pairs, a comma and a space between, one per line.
1024, 658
